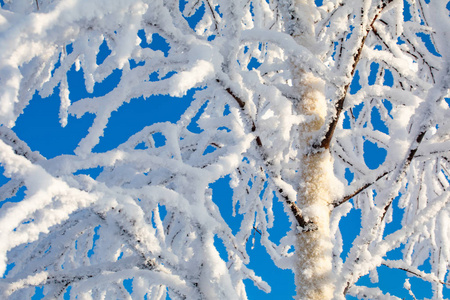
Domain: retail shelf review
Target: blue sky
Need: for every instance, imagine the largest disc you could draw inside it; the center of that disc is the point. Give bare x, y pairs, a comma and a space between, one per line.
39, 127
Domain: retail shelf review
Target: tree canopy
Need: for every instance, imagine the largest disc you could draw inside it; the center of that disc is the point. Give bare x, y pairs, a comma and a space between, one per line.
285, 98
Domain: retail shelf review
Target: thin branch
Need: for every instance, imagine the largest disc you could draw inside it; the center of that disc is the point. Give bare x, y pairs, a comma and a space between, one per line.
346, 159
305, 225
358, 190
407, 162
19, 147
214, 16
66, 278
241, 104
257, 230
339, 105
417, 273
327, 20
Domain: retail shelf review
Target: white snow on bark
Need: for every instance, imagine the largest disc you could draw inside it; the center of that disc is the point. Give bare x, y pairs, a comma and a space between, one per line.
270, 81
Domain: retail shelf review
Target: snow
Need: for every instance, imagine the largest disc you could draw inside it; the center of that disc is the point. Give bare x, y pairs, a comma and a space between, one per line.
149, 215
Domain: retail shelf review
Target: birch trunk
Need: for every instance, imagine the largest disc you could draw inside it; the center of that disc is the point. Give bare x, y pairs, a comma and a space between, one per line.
314, 247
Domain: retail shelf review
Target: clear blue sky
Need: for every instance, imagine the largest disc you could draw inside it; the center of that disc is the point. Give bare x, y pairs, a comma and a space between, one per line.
39, 127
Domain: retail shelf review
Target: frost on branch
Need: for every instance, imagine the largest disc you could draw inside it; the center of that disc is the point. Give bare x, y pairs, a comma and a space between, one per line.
380, 70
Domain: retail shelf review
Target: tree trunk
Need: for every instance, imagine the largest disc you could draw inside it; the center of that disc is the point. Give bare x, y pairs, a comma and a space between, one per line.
314, 247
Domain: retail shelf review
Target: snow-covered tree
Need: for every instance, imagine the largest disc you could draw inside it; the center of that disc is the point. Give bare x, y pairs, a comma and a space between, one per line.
287, 97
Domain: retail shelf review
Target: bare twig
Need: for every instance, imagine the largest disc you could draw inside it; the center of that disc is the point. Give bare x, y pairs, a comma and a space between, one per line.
213, 15
241, 104
417, 273
305, 225
339, 105
405, 165
256, 229
358, 190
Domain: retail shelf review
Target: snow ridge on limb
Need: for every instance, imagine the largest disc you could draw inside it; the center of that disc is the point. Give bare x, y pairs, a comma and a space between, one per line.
407, 181
273, 129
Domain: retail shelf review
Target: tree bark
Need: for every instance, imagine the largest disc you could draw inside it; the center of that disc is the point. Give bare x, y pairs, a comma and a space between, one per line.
314, 247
